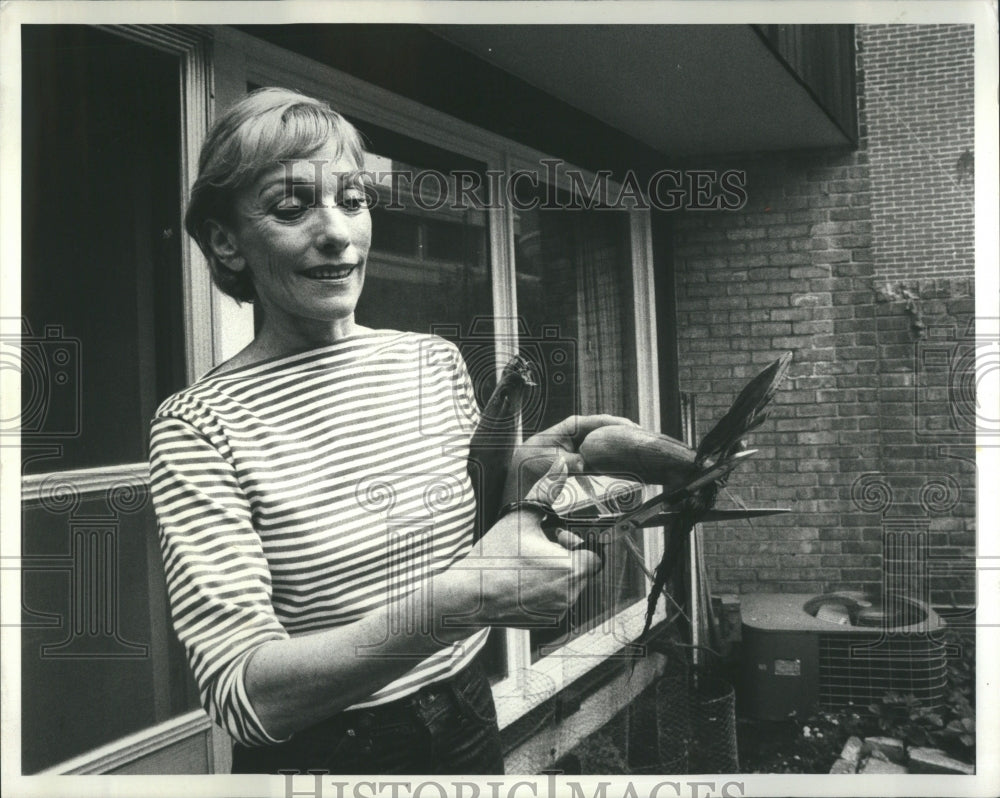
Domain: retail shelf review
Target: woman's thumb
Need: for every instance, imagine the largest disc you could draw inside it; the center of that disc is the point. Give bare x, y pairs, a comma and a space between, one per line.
548, 488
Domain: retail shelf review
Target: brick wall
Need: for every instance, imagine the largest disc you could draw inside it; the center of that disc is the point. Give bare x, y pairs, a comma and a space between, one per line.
920, 143
863, 443
919, 90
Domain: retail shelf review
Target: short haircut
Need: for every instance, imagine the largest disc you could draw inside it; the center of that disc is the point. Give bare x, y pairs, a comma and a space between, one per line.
265, 127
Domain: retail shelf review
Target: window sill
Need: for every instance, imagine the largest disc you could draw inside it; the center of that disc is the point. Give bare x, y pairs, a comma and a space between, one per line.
530, 688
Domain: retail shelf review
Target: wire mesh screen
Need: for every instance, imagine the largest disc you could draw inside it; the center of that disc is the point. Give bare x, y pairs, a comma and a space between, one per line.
860, 668
684, 723
695, 722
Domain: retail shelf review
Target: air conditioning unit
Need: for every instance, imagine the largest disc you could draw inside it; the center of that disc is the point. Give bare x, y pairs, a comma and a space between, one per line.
803, 652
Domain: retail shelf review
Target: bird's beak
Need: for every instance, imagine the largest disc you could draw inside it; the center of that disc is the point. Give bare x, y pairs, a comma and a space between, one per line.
521, 366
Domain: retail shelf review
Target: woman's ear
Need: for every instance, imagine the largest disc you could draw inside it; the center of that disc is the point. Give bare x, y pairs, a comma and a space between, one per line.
222, 242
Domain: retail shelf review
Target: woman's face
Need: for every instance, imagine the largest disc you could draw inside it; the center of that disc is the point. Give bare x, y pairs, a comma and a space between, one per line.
303, 229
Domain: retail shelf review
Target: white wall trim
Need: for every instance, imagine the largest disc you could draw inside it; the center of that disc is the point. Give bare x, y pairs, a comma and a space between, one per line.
561, 668
644, 311
232, 321
136, 746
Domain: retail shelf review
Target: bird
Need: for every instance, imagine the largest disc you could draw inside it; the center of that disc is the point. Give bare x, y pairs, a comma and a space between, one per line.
493, 442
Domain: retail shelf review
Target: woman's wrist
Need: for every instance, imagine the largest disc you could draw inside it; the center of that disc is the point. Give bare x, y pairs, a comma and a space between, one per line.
458, 600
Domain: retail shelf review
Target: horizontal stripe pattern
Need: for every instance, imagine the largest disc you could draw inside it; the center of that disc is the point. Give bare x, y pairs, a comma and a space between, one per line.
306, 492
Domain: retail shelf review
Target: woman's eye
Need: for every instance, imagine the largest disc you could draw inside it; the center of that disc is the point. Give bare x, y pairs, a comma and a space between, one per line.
289, 210
354, 200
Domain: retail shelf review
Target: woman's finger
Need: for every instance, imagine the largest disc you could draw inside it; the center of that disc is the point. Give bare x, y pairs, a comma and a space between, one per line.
568, 540
576, 428
548, 488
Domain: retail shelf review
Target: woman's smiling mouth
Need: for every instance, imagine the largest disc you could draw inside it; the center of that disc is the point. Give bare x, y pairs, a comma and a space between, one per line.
329, 272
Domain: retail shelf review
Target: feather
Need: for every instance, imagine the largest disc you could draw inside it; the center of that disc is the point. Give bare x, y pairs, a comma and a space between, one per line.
745, 414
725, 439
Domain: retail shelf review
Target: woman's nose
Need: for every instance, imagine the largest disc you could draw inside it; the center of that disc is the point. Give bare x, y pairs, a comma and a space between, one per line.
334, 228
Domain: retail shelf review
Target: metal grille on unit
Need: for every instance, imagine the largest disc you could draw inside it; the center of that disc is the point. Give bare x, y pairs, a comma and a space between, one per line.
860, 668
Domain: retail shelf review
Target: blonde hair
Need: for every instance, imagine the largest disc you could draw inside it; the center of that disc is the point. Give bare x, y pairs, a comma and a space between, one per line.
267, 126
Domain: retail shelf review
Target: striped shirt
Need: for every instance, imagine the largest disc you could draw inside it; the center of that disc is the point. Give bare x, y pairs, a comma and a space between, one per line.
304, 493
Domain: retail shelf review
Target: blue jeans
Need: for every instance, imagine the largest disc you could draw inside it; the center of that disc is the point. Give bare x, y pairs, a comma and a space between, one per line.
447, 727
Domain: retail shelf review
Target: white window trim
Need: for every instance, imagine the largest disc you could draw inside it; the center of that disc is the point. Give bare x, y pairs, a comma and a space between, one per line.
243, 58
84, 481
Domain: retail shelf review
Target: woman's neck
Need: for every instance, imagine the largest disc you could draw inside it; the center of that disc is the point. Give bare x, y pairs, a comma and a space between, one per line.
280, 336
276, 340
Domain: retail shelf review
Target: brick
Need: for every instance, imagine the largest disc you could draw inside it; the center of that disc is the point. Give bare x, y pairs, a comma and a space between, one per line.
933, 760
893, 749
831, 256
812, 327
817, 299
805, 272
793, 314
745, 234
878, 767
829, 228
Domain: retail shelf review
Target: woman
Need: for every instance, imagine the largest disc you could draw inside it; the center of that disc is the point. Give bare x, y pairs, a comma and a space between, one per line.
315, 513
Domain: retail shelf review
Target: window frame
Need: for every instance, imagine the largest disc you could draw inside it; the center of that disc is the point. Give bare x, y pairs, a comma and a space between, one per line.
242, 59
204, 340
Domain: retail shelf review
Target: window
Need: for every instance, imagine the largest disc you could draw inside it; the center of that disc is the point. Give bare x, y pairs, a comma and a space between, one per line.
103, 344
428, 268
573, 267
101, 286
429, 264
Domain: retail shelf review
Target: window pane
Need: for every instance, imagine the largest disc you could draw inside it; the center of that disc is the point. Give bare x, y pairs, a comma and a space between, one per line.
574, 287
97, 659
100, 245
429, 265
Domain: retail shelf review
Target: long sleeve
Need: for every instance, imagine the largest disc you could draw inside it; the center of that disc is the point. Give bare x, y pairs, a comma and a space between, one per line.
218, 579
305, 493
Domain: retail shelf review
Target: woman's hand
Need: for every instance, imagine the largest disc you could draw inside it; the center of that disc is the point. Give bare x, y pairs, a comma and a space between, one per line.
533, 458
524, 578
